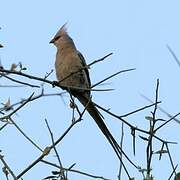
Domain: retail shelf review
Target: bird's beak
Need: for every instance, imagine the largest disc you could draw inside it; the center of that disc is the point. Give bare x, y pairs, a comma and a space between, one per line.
52, 41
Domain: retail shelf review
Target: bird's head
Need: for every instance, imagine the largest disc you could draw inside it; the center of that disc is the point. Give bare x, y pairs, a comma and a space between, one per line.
62, 38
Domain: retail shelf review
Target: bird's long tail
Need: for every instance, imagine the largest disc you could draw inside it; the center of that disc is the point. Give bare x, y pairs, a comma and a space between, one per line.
86, 102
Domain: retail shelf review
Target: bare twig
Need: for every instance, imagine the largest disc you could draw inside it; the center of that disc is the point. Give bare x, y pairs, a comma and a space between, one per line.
42, 94
121, 119
75, 171
26, 75
18, 108
161, 109
53, 83
7, 167
173, 54
111, 76
99, 60
172, 118
15, 124
133, 133
3, 126
19, 82
47, 150
121, 144
172, 173
149, 149
11, 86
170, 158
54, 147
140, 109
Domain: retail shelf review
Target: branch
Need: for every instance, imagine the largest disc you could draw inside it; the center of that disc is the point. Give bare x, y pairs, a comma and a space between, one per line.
47, 150
74, 170
161, 109
111, 76
99, 60
173, 54
19, 82
18, 128
7, 167
54, 147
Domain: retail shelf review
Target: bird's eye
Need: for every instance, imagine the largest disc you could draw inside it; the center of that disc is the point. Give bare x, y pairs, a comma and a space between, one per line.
56, 38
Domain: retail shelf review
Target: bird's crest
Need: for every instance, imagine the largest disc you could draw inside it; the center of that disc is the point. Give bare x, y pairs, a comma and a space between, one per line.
62, 31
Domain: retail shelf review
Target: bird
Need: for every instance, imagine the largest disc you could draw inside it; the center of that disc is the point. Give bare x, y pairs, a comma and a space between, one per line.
73, 75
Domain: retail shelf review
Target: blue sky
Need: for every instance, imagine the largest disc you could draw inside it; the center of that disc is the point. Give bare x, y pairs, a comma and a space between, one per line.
137, 33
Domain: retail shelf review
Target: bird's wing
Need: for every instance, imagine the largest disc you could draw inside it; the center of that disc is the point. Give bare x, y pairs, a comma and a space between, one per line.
84, 65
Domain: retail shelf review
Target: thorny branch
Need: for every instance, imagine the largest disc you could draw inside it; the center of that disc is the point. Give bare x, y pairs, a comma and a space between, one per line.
151, 132
149, 149
49, 148
161, 109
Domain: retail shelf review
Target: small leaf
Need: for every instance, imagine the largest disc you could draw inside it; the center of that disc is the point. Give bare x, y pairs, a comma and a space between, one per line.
161, 152
50, 177
143, 138
24, 68
149, 118
55, 172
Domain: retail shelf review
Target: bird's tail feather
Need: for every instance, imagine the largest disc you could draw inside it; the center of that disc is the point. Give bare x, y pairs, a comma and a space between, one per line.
86, 102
